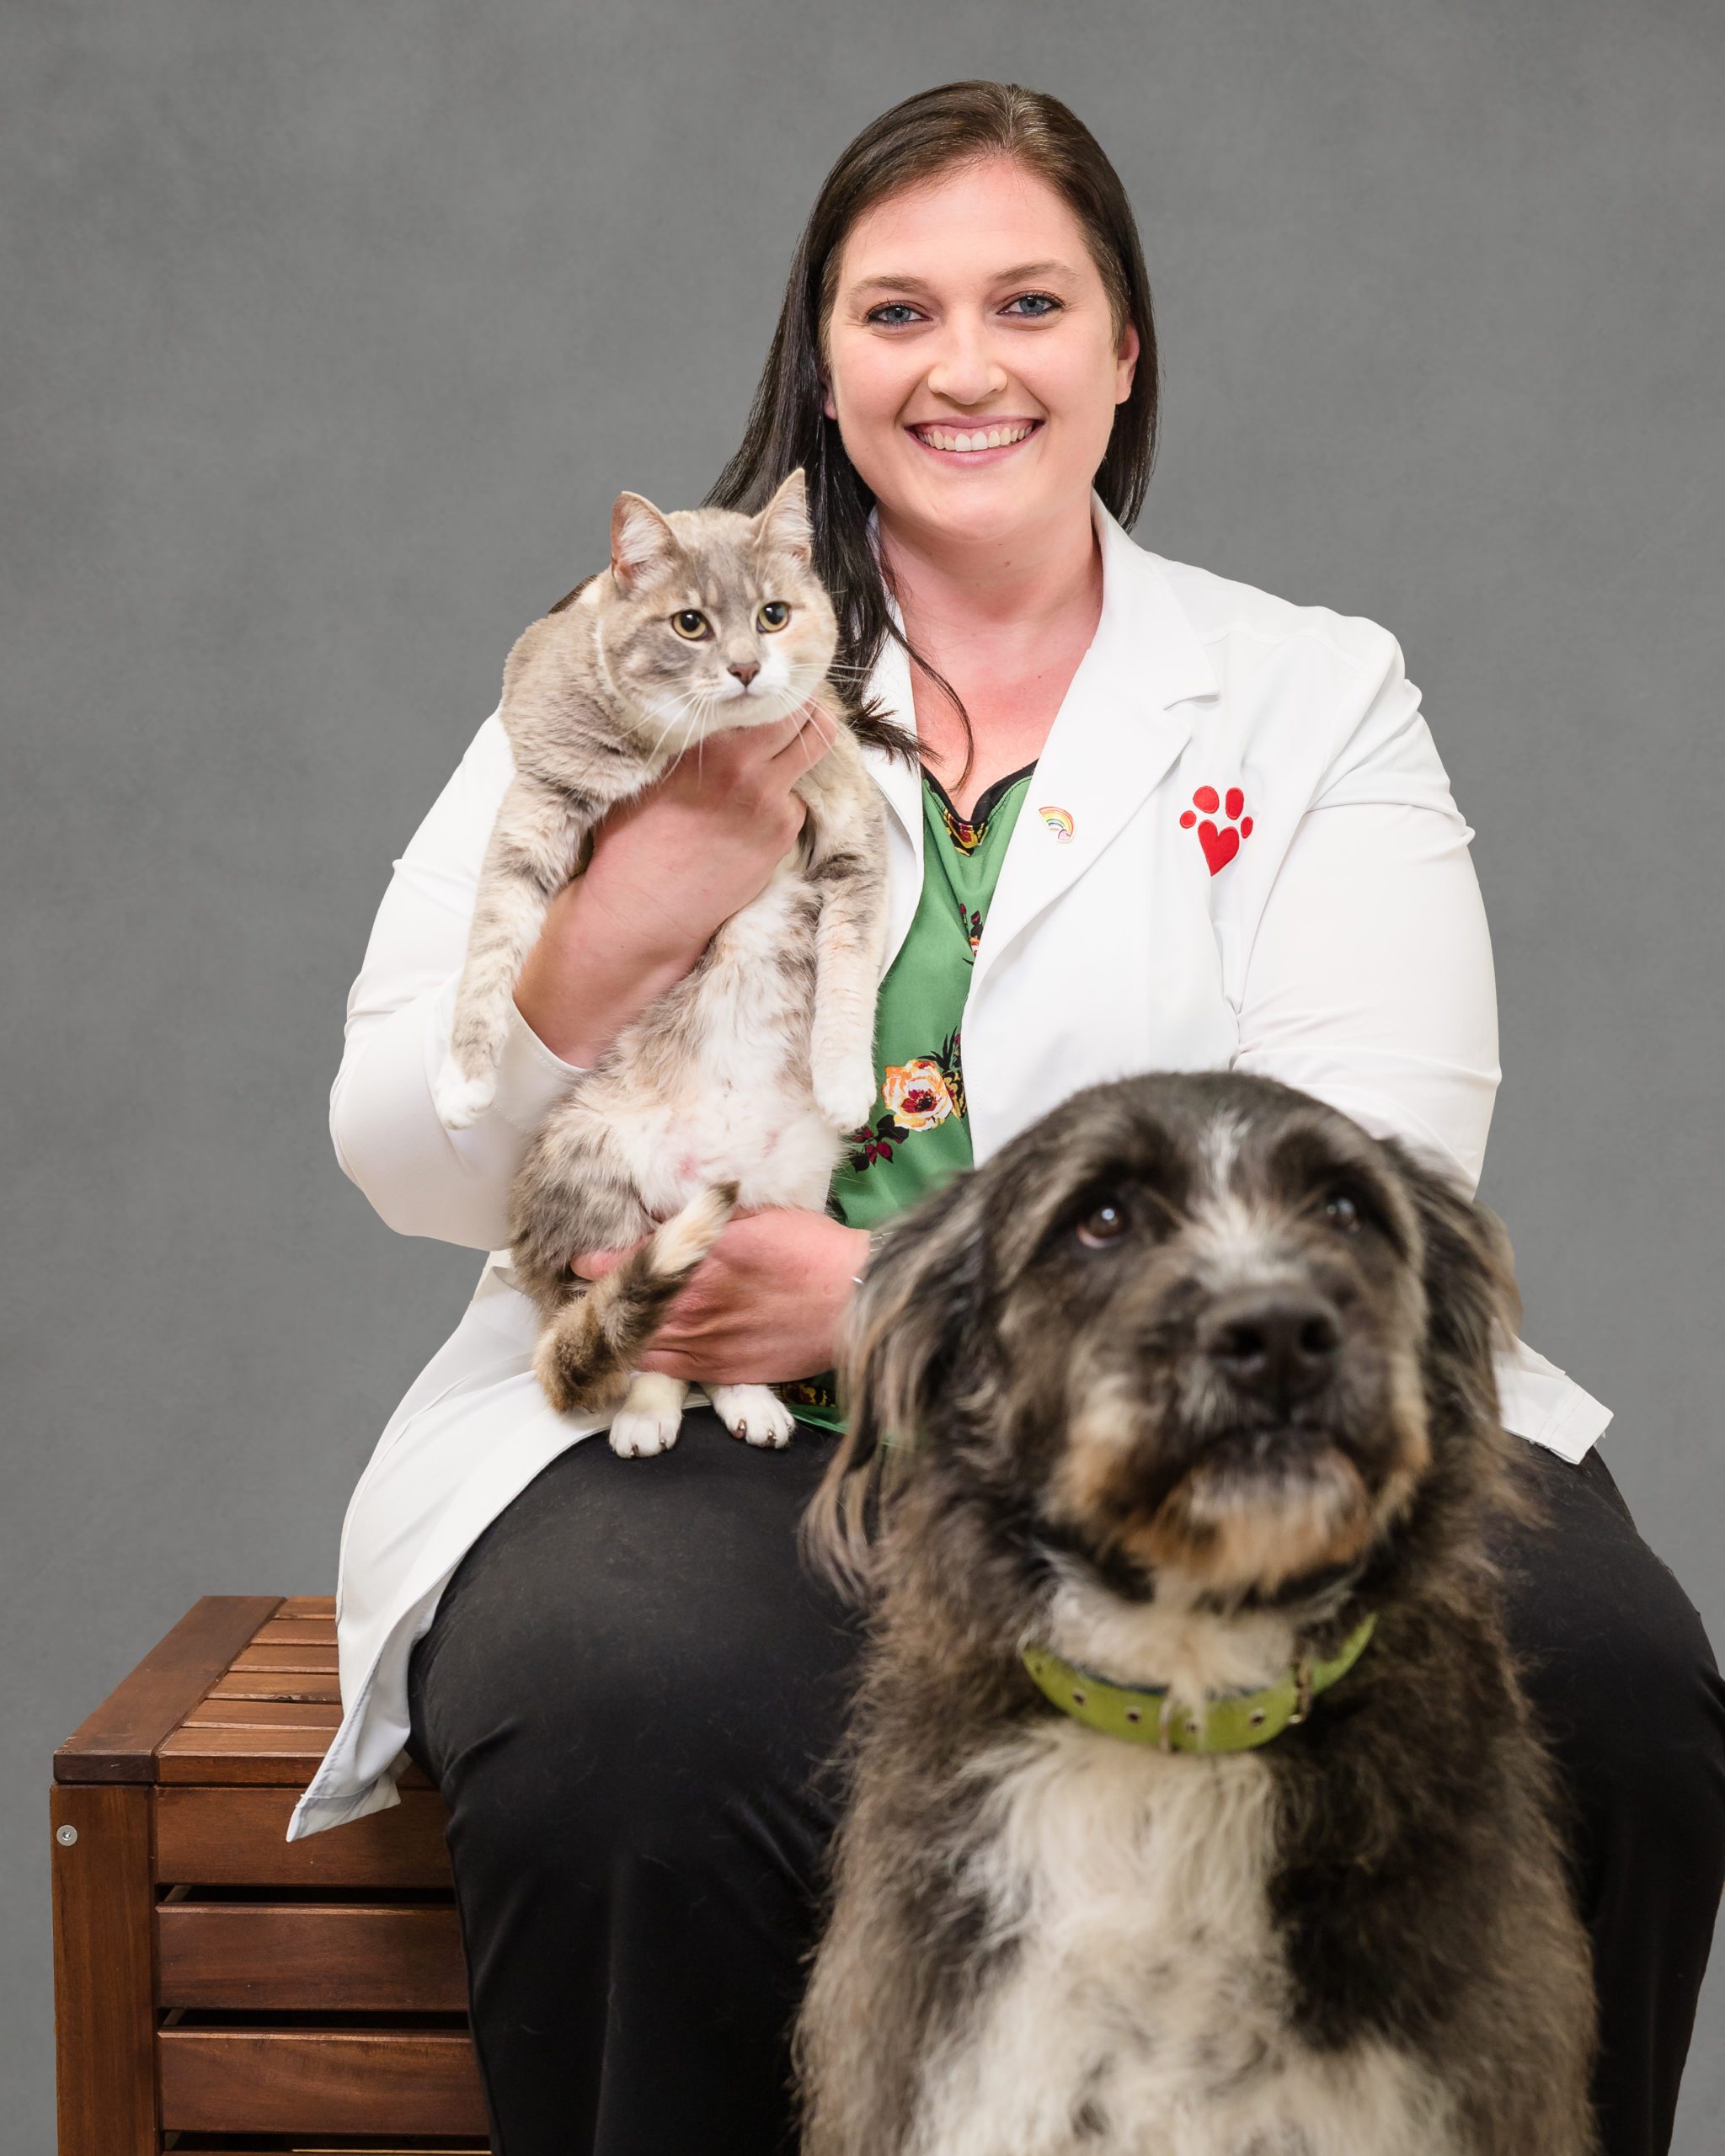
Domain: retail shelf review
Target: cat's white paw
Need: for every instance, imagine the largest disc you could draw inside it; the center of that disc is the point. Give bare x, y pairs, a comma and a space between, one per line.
844, 1093
638, 1432
752, 1413
461, 1101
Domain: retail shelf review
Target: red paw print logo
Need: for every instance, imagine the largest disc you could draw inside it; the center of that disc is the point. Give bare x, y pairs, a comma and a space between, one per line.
1221, 841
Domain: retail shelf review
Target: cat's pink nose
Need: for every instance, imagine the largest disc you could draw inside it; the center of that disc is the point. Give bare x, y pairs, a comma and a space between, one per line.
746, 669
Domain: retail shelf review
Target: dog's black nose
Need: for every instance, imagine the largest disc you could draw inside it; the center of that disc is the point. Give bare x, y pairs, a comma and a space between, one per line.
1281, 1345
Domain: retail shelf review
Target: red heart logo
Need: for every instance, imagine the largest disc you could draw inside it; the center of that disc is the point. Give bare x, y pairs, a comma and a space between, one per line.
1220, 847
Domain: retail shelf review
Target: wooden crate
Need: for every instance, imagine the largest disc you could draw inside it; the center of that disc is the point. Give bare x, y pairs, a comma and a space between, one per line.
216, 1987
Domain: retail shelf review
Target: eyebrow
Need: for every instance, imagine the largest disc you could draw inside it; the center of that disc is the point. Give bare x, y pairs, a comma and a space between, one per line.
904, 284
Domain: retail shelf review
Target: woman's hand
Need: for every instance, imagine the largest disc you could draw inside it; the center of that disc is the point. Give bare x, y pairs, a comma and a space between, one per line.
763, 1306
667, 869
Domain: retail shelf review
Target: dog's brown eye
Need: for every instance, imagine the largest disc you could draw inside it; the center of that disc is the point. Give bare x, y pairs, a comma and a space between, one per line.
1106, 1223
689, 623
1342, 1210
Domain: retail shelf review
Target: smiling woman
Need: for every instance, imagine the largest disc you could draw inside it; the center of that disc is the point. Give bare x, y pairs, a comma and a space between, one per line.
1164, 821
931, 379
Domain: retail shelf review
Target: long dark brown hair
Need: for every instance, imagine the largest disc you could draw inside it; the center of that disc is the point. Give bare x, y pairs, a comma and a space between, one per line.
960, 123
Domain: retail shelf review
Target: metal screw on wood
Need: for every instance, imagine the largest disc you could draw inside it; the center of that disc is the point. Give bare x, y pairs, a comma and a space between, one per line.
66, 1836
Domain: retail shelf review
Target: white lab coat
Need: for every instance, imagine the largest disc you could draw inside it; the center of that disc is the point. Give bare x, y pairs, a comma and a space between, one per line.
1341, 946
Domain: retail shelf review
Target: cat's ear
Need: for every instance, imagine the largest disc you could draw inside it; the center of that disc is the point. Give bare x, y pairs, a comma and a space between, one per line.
783, 524
641, 541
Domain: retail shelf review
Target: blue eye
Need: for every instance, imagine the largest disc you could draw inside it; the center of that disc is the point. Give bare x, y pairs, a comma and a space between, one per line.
1051, 304
888, 307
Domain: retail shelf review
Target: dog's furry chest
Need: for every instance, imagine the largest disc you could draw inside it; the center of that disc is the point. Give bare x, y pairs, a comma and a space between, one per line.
1140, 2005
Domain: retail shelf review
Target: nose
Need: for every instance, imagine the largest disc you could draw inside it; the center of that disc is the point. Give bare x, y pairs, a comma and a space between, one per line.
1280, 1346
746, 669
966, 371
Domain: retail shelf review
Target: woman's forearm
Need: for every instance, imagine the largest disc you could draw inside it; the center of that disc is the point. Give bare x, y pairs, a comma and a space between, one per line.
591, 973
668, 867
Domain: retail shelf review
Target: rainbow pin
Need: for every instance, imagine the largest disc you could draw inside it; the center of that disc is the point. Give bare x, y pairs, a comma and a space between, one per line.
1059, 821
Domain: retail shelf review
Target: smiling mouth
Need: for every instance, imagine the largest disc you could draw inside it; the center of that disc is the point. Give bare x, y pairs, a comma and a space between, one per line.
975, 445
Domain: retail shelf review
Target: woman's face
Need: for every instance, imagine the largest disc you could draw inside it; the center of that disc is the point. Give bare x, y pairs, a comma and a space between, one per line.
966, 304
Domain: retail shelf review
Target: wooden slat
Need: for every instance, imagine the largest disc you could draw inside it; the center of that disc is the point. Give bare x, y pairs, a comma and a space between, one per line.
297, 1632
251, 1660
276, 1687
117, 1743
226, 1754
235, 1837
262, 1714
104, 2020
308, 1605
310, 1957
300, 2080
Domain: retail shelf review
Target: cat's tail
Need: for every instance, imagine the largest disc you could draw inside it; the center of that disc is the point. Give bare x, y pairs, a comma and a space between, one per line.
584, 1357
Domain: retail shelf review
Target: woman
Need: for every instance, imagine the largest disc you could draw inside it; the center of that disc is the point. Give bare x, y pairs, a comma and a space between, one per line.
1164, 819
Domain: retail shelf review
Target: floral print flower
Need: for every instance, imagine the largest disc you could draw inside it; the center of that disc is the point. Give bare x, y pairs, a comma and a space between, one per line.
916, 1092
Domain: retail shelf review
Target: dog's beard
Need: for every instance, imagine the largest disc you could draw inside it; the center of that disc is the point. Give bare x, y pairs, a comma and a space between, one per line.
1238, 1503
1244, 1529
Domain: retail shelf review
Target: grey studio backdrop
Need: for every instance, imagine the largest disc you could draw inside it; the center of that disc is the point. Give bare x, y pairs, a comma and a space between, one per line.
331, 332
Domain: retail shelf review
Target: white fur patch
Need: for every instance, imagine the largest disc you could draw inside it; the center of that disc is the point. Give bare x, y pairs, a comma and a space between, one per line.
651, 1417
1141, 2009
736, 1114
752, 1413
1240, 1244
1199, 1653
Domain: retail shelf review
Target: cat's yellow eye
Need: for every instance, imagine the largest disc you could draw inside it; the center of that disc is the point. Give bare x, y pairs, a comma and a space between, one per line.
691, 623
773, 615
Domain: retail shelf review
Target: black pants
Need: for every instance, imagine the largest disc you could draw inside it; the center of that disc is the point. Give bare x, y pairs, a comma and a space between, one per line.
628, 1685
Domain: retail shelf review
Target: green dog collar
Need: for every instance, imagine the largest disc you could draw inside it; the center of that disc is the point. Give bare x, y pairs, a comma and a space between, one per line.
1235, 1722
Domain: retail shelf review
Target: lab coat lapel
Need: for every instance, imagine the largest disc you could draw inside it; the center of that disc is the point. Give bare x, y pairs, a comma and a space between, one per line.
1125, 717
890, 688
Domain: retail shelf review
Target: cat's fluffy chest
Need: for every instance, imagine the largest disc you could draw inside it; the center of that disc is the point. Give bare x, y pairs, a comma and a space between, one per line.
712, 1084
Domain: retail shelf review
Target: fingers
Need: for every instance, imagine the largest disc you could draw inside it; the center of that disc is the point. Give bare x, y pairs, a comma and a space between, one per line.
810, 742
733, 751
786, 748
795, 725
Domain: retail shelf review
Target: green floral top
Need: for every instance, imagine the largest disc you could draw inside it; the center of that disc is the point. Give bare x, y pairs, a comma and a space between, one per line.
919, 1133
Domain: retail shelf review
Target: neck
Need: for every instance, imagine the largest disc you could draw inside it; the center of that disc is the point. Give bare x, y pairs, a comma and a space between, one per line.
956, 593
1007, 622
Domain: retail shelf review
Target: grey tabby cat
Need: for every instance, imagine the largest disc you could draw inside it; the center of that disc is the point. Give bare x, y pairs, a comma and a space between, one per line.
732, 1087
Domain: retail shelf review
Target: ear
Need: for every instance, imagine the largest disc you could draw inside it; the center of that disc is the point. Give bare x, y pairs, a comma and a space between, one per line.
783, 524
1126, 362
641, 541
1472, 1298
910, 1345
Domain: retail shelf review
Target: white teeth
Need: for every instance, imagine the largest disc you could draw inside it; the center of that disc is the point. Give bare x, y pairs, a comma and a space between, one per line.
989, 438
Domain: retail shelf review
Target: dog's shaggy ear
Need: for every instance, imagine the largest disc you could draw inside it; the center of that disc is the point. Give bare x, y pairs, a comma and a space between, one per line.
1473, 1302
910, 1354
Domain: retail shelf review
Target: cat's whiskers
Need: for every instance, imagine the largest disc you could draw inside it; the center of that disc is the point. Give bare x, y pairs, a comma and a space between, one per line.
682, 701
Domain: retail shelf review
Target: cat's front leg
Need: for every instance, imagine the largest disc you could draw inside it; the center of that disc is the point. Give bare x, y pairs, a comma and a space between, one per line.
531, 854
753, 1412
849, 938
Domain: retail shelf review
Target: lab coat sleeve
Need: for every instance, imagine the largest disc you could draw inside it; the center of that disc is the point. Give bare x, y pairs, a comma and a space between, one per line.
422, 1179
1370, 980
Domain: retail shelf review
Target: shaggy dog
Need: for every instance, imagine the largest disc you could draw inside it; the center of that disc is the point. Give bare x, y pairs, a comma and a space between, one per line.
1195, 1810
